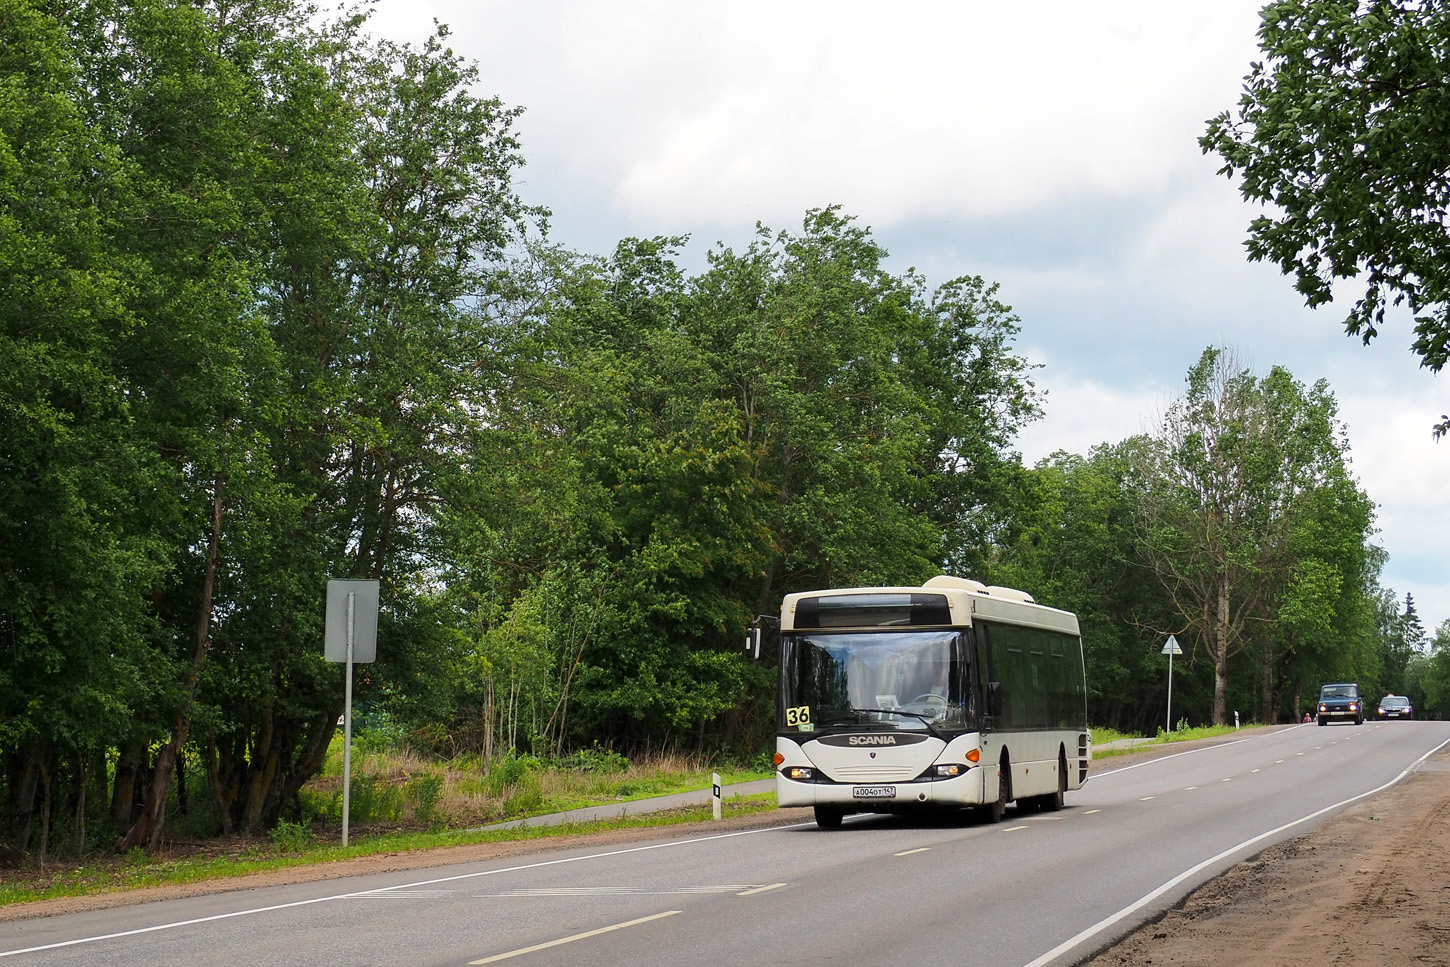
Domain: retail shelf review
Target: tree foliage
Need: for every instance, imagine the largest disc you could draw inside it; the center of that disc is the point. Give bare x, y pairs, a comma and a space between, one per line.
670, 454
1344, 129
250, 250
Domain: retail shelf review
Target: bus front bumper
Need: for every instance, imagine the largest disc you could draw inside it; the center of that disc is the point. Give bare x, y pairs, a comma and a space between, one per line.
962, 790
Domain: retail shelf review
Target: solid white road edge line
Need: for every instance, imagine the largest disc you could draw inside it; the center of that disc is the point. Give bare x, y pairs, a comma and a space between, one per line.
1103, 924
388, 889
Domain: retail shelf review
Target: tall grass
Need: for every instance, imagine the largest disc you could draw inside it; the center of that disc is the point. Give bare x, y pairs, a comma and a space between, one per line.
395, 788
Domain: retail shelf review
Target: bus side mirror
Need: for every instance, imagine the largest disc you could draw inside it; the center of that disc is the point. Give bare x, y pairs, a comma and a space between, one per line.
994, 698
755, 635
753, 641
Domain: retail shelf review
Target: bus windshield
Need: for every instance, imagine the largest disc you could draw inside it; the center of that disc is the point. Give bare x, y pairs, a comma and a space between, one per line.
878, 680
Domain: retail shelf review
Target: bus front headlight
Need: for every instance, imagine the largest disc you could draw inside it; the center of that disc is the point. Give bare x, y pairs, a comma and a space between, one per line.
801, 773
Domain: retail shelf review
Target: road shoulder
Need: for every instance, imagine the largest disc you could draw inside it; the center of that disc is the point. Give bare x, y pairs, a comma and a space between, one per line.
1371, 885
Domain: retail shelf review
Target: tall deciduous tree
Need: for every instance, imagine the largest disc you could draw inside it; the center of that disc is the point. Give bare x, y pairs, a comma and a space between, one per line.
1435, 674
1323, 622
391, 204
246, 252
77, 486
1235, 457
1344, 128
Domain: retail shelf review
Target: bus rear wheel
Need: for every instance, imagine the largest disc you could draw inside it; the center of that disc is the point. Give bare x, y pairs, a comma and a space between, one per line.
829, 817
1052, 802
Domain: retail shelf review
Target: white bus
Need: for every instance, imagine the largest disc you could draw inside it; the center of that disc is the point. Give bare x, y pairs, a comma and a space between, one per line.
950, 695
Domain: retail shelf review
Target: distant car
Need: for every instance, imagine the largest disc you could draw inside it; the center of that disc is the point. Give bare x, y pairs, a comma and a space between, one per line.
1341, 702
1396, 707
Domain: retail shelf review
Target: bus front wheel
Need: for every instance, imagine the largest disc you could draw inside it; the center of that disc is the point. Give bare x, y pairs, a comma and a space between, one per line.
829, 817
995, 810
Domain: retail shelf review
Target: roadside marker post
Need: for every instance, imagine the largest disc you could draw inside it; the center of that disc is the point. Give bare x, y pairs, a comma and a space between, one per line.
350, 636
1170, 648
715, 778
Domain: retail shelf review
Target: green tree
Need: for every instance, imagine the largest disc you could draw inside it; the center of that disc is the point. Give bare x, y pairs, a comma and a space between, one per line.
690, 448
77, 539
1414, 629
389, 214
251, 251
183, 89
1342, 129
1435, 675
1325, 620
1234, 460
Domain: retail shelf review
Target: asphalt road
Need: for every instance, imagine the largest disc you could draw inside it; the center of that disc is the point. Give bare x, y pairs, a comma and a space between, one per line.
1032, 890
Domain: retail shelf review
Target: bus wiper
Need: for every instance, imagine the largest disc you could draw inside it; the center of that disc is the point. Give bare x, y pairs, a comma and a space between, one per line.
925, 719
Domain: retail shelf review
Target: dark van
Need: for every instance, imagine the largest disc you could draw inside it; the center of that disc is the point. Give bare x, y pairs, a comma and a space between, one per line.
1341, 703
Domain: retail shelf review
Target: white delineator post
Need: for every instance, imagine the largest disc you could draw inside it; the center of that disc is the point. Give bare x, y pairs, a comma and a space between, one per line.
715, 778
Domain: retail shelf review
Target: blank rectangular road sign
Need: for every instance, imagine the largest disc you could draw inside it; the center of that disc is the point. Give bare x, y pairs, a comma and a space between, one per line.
364, 621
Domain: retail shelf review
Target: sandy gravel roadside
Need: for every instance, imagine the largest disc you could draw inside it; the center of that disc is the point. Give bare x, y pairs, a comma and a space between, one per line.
1370, 886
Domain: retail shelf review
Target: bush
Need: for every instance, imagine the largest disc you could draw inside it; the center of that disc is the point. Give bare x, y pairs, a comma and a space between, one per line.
528, 796
379, 733
291, 837
371, 801
510, 771
595, 759
423, 794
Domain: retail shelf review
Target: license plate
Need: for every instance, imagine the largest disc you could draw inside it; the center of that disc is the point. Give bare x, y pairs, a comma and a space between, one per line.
874, 792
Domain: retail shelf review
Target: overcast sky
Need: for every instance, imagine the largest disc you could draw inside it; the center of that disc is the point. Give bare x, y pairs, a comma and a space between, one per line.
1051, 147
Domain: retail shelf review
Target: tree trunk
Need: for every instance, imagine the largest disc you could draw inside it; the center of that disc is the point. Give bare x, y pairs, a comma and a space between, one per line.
222, 798
23, 820
313, 756
149, 823
123, 794
1219, 647
261, 770
83, 780
45, 782
1266, 685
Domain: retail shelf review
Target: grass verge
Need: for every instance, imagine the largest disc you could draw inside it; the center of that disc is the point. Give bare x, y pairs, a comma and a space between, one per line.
137, 870
1102, 737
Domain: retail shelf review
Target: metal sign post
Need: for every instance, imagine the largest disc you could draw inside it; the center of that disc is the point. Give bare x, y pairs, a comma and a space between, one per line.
351, 637
1170, 648
347, 717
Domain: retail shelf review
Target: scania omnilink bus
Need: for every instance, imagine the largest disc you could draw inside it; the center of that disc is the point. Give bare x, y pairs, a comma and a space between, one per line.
949, 695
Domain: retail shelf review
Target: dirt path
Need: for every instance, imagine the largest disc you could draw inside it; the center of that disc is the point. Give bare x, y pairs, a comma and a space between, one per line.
1369, 887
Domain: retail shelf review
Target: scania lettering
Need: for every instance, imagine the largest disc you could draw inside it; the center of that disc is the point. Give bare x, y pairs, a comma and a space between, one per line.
948, 696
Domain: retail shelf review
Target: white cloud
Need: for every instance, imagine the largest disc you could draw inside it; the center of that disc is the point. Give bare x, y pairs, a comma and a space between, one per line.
1079, 415
705, 112
1389, 414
